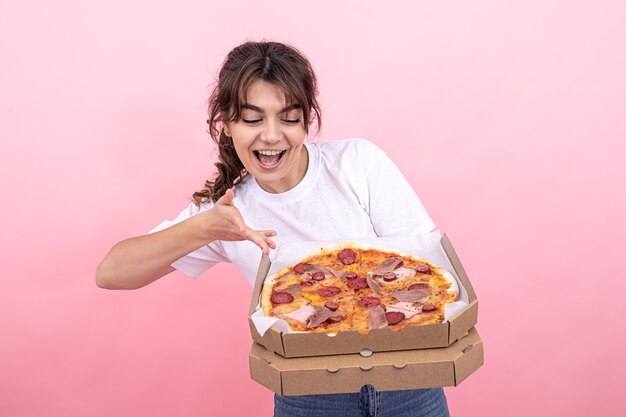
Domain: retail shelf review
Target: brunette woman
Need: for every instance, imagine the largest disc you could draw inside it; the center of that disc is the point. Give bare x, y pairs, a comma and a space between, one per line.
272, 187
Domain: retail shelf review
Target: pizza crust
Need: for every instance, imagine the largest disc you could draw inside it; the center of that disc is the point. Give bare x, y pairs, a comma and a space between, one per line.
454, 286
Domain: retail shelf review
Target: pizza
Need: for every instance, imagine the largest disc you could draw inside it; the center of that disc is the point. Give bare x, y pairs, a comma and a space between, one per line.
350, 287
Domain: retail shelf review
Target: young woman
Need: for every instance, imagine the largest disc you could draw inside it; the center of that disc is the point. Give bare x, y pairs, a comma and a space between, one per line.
273, 188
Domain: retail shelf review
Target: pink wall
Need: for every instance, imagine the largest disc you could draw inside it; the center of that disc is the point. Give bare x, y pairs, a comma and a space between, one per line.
508, 119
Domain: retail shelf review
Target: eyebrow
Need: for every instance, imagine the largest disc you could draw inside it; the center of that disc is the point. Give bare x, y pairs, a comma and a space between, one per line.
260, 110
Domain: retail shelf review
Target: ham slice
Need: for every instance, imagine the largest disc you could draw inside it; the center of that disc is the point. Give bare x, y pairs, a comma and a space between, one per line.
387, 265
404, 272
376, 318
419, 295
373, 284
338, 274
320, 315
301, 314
294, 290
319, 268
407, 308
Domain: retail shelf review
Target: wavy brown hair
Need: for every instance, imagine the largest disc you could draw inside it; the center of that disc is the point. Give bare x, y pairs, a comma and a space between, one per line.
274, 62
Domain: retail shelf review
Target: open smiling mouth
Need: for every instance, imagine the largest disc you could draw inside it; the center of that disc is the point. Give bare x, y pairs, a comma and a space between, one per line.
269, 159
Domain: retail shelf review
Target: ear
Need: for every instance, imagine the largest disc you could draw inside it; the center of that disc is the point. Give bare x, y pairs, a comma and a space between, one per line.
226, 130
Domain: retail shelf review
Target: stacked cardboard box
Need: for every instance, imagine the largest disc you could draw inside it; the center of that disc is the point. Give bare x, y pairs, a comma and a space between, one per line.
417, 357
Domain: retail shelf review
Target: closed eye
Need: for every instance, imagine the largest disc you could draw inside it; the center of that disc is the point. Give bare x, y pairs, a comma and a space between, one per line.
255, 121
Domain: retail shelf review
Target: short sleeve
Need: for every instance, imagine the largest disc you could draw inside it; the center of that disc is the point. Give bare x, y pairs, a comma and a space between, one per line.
394, 207
199, 261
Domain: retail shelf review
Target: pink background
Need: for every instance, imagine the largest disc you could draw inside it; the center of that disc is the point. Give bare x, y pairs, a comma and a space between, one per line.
508, 120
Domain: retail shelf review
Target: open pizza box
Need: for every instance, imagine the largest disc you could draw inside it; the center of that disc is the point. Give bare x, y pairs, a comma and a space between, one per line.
276, 337
399, 370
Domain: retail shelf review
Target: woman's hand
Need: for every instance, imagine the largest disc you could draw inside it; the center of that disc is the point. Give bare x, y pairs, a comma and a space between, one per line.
138, 261
225, 222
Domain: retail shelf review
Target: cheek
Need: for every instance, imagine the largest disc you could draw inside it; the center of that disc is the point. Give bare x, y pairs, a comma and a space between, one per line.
241, 150
298, 135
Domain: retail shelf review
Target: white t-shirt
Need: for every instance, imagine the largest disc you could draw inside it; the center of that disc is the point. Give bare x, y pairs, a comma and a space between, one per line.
351, 190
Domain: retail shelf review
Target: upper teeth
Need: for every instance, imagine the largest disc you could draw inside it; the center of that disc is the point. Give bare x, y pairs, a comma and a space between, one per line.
270, 152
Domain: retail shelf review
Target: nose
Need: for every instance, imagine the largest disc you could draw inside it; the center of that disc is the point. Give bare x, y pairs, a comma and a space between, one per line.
271, 132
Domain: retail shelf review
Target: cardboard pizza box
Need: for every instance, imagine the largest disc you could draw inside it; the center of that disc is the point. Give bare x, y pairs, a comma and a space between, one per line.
399, 370
293, 345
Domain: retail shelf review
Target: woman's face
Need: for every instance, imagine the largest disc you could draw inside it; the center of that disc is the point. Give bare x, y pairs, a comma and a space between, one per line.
269, 138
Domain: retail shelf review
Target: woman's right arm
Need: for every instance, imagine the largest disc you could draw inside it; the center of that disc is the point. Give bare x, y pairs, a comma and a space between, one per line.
138, 261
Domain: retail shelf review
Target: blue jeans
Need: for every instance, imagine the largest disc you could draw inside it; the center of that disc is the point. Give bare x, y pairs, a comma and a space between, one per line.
429, 402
